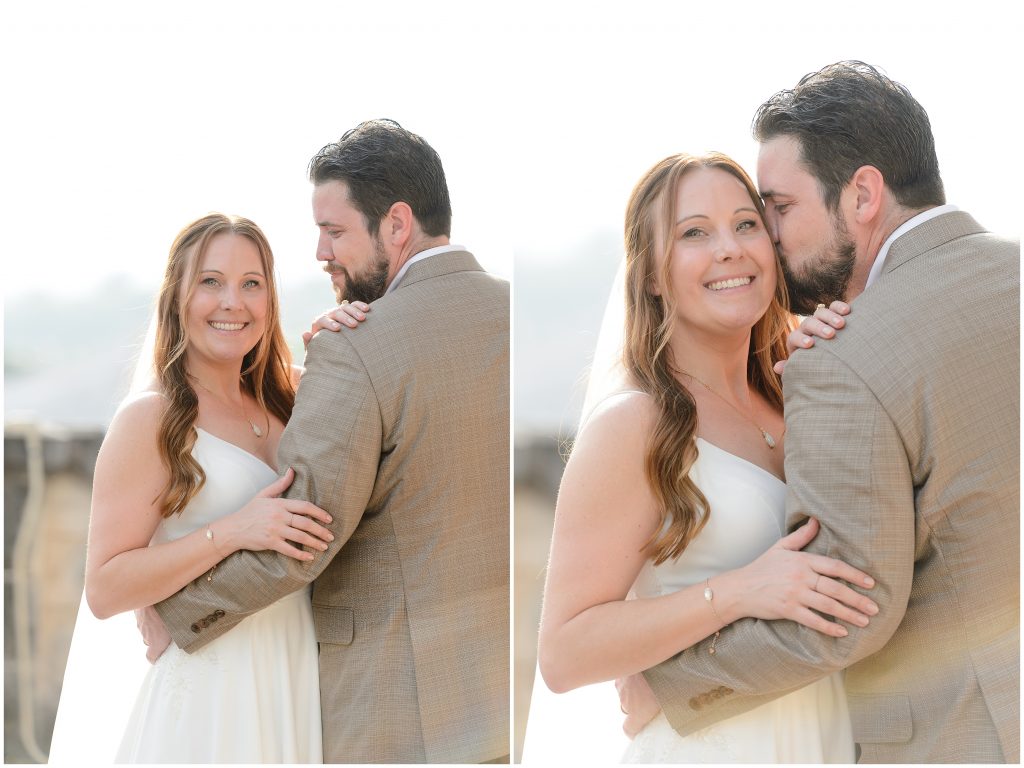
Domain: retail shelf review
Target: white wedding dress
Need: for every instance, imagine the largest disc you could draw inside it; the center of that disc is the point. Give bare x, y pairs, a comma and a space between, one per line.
810, 725
250, 696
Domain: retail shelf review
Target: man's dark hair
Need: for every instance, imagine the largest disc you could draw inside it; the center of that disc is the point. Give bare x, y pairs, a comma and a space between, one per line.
382, 164
849, 114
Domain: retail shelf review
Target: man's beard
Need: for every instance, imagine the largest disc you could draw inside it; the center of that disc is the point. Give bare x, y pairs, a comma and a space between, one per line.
369, 285
826, 278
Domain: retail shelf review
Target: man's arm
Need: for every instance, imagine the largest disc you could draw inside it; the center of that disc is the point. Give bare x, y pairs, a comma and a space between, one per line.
845, 465
333, 442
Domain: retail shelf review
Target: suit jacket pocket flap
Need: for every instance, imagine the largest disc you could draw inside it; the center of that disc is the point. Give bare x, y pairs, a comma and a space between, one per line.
881, 719
333, 625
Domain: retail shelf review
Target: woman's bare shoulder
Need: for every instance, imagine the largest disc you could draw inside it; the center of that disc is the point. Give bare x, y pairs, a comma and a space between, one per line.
630, 412
138, 414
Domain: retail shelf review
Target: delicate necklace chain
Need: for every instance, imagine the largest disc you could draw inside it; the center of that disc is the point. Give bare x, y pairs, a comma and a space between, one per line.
764, 432
256, 430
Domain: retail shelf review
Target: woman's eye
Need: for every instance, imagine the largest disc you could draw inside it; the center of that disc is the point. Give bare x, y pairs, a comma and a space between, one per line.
251, 284
209, 281
692, 233
745, 226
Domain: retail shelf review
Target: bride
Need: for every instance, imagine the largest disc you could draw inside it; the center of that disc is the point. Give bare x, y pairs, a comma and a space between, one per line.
186, 475
674, 493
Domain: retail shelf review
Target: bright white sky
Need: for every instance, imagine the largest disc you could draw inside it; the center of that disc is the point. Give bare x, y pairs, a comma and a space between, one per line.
122, 123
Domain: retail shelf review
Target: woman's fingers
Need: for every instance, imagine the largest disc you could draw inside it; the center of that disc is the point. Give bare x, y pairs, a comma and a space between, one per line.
821, 602
301, 537
837, 569
287, 549
839, 307
828, 318
350, 314
841, 593
809, 618
822, 324
801, 537
798, 339
299, 507
307, 529
279, 486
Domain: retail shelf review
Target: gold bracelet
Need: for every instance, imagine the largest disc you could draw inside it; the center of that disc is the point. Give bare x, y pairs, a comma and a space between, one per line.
209, 538
710, 596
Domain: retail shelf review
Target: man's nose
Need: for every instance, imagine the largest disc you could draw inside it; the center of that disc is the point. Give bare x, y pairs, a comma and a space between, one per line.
323, 249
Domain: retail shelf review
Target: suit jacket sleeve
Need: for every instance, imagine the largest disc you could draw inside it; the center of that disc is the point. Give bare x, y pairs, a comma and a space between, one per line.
333, 442
845, 465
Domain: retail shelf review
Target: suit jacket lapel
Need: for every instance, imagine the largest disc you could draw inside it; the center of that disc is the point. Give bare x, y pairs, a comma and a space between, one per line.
930, 235
440, 265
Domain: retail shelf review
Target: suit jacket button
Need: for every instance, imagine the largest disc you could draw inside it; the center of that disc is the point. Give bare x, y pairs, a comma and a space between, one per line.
218, 614
195, 628
695, 703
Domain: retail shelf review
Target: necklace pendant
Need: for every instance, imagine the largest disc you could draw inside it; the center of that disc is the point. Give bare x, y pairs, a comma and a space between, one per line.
768, 439
259, 432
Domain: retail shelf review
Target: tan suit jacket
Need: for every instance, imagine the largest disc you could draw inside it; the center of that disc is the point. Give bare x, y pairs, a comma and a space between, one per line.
401, 432
903, 439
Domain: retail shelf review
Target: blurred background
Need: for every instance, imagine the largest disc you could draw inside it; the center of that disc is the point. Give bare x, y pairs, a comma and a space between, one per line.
125, 121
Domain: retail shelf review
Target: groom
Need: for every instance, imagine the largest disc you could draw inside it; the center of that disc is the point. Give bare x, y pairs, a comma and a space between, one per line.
903, 439
400, 431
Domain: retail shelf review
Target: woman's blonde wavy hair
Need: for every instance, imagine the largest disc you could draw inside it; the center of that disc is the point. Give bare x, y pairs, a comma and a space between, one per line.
647, 355
266, 368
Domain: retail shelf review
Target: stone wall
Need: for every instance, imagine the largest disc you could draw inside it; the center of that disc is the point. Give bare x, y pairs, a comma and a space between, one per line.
47, 490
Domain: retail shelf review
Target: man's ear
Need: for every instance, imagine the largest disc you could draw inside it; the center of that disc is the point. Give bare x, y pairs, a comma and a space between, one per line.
396, 228
868, 185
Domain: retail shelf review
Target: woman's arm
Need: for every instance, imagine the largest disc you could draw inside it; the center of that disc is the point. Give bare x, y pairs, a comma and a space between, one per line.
605, 515
122, 571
